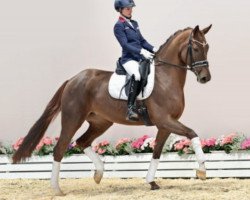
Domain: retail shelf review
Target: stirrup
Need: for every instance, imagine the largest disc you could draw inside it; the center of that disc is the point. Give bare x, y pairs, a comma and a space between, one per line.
132, 115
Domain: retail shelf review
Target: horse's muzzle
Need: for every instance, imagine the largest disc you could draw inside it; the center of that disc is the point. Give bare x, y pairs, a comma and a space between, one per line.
204, 79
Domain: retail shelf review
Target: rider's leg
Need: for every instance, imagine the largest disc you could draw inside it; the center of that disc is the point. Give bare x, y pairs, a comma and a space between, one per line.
131, 114
132, 68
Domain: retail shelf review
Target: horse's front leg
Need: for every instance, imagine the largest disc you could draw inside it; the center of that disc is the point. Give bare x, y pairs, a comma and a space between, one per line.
176, 127
161, 138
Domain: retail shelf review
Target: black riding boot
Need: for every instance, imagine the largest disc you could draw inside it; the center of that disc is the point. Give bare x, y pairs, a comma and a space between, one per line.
131, 114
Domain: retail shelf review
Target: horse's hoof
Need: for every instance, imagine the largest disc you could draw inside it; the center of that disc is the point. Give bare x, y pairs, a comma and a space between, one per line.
98, 176
154, 186
201, 174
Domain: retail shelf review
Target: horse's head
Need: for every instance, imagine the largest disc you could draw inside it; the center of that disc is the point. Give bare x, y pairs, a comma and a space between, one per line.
195, 54
186, 49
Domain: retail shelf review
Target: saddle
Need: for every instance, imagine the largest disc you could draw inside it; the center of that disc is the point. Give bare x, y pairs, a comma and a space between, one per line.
144, 70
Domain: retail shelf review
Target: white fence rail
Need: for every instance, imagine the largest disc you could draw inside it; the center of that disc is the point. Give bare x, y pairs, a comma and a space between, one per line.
219, 164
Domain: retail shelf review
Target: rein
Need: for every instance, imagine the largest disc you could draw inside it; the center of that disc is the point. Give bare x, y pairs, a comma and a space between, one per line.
194, 64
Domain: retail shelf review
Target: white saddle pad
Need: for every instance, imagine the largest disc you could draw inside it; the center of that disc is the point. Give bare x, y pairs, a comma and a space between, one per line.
117, 82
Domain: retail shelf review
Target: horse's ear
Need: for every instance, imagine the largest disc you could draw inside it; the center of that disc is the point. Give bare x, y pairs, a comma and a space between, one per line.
205, 30
196, 30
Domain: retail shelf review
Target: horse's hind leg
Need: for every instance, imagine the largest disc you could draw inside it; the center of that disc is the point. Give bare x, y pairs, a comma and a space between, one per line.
96, 128
71, 122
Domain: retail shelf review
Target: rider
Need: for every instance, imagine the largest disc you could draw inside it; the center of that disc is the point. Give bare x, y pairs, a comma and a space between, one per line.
134, 49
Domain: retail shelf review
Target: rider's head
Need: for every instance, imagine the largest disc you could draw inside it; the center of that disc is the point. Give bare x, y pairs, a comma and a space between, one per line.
124, 7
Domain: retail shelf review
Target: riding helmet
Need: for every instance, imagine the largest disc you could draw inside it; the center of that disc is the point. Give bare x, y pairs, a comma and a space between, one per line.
119, 4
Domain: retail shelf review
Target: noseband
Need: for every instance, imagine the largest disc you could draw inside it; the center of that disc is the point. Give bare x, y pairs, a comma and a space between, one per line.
194, 64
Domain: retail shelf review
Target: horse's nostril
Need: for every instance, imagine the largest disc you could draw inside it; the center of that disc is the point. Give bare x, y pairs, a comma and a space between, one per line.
203, 80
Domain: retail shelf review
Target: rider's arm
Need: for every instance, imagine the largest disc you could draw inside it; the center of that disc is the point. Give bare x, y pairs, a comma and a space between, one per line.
145, 44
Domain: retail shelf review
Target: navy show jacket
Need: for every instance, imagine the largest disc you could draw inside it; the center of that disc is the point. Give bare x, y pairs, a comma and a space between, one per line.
131, 40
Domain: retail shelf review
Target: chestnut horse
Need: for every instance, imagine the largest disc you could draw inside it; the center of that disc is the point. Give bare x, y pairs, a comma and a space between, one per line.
85, 97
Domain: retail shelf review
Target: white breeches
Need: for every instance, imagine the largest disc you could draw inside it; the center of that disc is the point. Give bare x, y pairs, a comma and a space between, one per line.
132, 68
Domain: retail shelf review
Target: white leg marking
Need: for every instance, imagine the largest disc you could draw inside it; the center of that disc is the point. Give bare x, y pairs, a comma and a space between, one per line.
200, 156
97, 162
54, 181
152, 170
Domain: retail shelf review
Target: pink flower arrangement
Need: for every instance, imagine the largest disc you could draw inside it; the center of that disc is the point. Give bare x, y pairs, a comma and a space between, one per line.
44, 147
105, 143
152, 144
230, 143
139, 142
123, 147
122, 141
148, 145
101, 151
208, 145
144, 144
103, 148
181, 144
246, 144
18, 143
228, 139
47, 140
43, 142
208, 142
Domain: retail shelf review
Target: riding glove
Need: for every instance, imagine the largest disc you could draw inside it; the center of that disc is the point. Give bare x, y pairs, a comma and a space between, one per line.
155, 49
146, 54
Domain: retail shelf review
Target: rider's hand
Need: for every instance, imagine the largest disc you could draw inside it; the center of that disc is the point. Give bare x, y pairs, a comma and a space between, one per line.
146, 54
155, 49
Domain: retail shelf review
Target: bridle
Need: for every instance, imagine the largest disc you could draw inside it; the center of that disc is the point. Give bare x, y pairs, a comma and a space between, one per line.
194, 64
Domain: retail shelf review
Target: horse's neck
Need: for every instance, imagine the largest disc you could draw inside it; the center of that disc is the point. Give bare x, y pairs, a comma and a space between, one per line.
169, 76
174, 76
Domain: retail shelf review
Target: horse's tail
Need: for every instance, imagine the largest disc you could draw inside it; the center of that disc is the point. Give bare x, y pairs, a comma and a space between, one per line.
38, 129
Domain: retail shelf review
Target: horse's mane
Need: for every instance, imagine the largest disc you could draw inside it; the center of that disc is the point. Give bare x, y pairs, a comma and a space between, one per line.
173, 36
